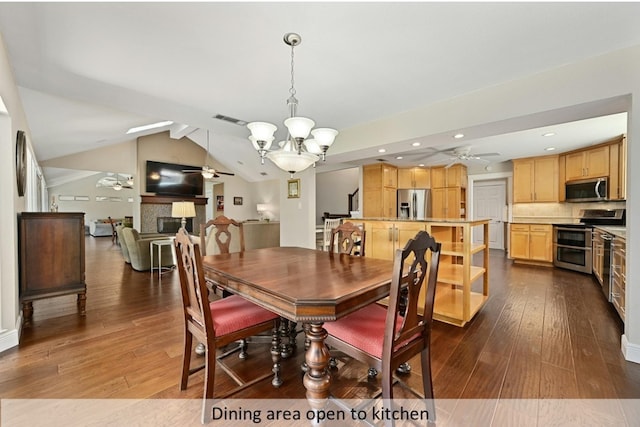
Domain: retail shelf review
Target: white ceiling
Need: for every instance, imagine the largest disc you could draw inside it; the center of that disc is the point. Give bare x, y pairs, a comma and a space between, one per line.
89, 71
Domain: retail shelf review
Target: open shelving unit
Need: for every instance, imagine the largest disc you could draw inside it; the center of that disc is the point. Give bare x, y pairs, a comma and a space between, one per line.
455, 301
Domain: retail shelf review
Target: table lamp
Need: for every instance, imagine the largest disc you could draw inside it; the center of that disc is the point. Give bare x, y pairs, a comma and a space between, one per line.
183, 210
262, 208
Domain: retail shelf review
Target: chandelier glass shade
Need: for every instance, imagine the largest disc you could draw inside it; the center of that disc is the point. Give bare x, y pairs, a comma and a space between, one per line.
297, 152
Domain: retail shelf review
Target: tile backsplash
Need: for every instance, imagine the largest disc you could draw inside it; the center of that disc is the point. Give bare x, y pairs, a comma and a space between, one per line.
569, 212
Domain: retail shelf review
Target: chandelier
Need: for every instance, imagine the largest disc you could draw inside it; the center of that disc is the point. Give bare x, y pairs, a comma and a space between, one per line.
296, 153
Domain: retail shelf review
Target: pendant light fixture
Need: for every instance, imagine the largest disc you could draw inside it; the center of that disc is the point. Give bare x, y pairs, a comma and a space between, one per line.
296, 152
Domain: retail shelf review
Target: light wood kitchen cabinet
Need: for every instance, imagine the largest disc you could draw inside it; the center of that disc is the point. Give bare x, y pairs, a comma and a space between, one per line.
619, 274
379, 193
618, 170
535, 179
414, 178
531, 243
591, 163
384, 237
454, 176
455, 301
448, 203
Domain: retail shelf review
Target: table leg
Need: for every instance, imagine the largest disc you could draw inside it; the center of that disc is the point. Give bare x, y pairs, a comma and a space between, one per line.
82, 302
317, 379
151, 250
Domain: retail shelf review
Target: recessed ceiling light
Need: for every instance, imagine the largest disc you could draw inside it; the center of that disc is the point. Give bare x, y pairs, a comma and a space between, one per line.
151, 126
382, 150
416, 144
458, 135
548, 134
549, 148
421, 165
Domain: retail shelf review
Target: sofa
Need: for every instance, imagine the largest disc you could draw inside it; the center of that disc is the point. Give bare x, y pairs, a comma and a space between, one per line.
102, 227
136, 249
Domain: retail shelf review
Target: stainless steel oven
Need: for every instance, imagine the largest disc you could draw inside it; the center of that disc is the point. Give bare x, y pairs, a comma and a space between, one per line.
572, 247
572, 243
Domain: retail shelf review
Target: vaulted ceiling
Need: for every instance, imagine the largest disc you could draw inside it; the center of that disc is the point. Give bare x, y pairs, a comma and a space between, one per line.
87, 72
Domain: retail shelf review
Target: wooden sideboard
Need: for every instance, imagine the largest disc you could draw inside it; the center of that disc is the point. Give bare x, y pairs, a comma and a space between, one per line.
52, 262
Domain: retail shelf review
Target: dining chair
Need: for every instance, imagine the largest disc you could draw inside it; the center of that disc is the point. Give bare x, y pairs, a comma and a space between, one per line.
221, 235
329, 224
215, 324
386, 337
347, 238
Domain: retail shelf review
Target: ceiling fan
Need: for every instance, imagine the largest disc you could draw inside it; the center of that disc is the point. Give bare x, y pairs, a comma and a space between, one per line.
462, 154
207, 171
114, 182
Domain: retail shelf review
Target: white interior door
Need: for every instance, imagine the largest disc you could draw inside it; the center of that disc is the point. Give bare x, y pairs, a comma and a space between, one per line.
489, 200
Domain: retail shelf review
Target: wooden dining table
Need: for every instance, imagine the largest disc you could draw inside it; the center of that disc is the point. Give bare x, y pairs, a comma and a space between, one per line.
307, 286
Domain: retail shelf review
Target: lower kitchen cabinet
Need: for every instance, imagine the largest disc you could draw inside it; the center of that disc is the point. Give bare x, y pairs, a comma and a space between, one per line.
531, 243
619, 274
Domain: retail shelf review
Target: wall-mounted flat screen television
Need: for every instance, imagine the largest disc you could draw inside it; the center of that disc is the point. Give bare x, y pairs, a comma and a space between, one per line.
169, 179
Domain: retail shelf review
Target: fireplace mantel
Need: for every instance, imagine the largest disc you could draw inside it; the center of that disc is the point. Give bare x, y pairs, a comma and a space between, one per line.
164, 199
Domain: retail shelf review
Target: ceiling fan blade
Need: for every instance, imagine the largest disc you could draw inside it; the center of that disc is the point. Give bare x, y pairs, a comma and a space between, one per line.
486, 154
451, 163
191, 170
225, 173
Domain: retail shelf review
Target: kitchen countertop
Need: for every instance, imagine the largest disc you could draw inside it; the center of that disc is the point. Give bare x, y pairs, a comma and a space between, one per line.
438, 220
544, 220
614, 230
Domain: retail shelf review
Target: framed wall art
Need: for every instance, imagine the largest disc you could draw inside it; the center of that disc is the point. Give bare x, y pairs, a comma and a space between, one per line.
237, 201
293, 188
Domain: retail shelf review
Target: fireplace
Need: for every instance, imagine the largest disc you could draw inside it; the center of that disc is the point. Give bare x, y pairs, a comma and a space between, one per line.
170, 225
155, 214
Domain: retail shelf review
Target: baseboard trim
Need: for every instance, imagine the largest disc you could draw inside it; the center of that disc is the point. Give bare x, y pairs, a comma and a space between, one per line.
630, 351
9, 339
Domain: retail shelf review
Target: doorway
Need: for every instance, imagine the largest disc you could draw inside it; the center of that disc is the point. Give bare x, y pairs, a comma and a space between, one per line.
490, 202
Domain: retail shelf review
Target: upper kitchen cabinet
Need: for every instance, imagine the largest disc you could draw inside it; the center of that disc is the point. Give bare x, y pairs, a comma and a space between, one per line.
454, 176
379, 190
414, 178
618, 169
535, 179
591, 163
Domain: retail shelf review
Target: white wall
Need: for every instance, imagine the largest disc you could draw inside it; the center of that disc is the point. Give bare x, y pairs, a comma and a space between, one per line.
268, 193
92, 208
297, 215
333, 189
12, 119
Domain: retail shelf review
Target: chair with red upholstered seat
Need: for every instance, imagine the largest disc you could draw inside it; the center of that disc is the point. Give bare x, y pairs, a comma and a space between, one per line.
386, 337
347, 238
215, 324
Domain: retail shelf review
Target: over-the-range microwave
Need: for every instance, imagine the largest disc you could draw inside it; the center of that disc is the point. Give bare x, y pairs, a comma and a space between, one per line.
586, 190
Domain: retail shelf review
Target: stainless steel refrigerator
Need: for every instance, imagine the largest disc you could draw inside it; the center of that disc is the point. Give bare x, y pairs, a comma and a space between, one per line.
414, 204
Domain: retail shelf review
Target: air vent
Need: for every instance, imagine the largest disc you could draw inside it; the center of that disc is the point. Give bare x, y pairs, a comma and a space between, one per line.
230, 120
263, 173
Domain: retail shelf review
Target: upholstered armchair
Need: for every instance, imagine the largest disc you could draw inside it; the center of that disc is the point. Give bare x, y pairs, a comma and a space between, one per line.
139, 252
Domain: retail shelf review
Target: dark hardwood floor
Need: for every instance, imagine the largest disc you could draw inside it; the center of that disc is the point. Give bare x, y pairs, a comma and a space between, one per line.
543, 334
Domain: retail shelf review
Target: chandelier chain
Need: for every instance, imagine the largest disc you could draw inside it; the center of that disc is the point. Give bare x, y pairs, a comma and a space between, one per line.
292, 91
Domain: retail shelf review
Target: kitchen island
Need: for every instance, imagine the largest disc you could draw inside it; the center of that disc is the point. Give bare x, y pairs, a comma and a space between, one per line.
463, 287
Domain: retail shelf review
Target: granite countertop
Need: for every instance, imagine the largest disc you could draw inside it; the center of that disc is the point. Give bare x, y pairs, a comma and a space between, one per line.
614, 230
